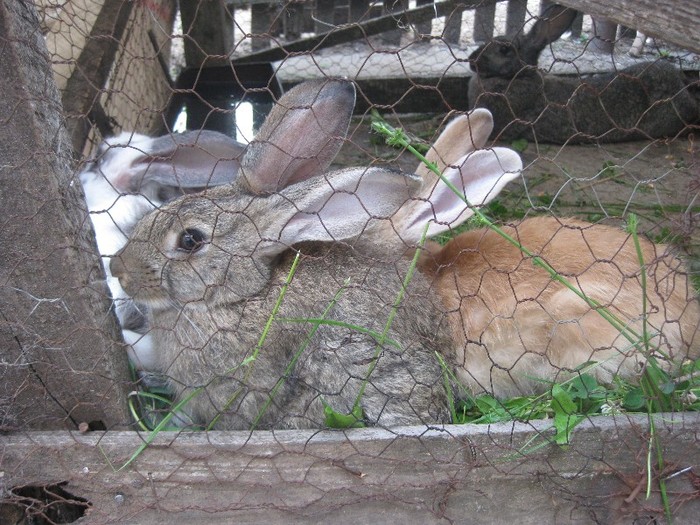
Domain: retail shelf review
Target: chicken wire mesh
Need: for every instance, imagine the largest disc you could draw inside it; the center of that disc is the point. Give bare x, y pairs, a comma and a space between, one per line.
271, 283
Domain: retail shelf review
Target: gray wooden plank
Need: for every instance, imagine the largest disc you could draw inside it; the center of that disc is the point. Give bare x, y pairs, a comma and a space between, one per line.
412, 474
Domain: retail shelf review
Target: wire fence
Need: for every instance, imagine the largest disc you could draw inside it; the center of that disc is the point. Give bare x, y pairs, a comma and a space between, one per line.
324, 261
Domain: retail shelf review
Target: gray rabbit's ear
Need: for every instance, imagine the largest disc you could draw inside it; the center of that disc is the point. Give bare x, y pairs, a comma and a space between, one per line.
301, 136
480, 176
339, 205
553, 23
187, 161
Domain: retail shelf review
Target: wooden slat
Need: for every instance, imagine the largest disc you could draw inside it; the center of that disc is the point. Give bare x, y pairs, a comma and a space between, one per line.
93, 67
407, 474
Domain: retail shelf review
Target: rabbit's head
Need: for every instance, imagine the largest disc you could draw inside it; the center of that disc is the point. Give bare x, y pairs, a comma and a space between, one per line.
220, 245
505, 57
131, 175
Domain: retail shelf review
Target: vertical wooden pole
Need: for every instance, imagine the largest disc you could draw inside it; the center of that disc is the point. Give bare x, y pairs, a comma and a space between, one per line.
59, 363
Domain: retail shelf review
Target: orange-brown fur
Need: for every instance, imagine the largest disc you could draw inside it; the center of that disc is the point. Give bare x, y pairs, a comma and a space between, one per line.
515, 326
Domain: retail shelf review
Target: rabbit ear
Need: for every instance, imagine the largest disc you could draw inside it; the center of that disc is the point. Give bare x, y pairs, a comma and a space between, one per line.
480, 175
462, 135
339, 205
185, 161
550, 26
301, 136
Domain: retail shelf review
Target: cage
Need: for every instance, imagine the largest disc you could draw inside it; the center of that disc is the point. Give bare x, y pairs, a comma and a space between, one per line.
536, 362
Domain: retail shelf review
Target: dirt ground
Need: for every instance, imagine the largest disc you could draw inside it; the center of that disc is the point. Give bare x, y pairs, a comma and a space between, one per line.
659, 181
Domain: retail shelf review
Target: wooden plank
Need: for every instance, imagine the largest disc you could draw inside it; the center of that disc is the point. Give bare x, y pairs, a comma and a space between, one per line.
93, 67
361, 30
675, 21
138, 85
59, 364
411, 474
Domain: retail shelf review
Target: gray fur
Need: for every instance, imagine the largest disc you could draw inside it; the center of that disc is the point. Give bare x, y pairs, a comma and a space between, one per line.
209, 306
643, 101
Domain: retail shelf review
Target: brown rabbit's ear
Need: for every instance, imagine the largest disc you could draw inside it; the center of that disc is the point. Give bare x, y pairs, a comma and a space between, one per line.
553, 23
480, 176
461, 136
301, 136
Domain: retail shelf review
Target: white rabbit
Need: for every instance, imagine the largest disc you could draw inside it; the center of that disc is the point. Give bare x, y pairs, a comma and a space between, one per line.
210, 267
515, 328
131, 175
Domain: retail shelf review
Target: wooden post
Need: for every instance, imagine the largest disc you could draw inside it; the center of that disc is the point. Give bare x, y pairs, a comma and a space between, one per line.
263, 20
424, 27
453, 26
393, 36
604, 39
208, 31
59, 363
293, 20
324, 16
515, 16
359, 10
483, 22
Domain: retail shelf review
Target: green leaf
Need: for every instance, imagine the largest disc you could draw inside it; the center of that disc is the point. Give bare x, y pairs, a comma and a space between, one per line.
667, 387
583, 386
519, 145
634, 399
564, 415
561, 401
337, 420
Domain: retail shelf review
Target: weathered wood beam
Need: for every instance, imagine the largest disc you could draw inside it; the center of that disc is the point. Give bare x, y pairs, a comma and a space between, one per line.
502, 473
59, 363
676, 21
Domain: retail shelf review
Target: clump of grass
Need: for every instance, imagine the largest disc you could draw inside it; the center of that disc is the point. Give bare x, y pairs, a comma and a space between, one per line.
582, 396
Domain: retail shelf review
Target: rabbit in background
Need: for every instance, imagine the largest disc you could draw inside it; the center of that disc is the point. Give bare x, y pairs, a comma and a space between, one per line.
646, 100
516, 330
133, 174
209, 267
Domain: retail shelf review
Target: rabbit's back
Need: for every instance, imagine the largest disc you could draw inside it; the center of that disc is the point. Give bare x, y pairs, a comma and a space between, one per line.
206, 346
643, 101
515, 325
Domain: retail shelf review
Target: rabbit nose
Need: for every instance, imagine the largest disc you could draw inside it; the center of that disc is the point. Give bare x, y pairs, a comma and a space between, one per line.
117, 267
473, 59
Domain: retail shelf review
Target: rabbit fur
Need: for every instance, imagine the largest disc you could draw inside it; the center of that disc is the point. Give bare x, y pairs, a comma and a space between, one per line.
133, 174
515, 328
210, 268
646, 100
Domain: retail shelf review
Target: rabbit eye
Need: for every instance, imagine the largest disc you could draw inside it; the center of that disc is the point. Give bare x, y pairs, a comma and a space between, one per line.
190, 240
504, 50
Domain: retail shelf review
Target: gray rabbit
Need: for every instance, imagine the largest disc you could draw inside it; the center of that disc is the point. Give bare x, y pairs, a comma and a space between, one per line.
647, 100
211, 268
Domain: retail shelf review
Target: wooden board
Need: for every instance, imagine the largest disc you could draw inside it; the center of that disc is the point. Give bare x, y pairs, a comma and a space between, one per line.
676, 21
472, 473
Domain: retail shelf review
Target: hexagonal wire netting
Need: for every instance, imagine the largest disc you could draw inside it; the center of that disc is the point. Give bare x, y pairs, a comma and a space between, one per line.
363, 261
